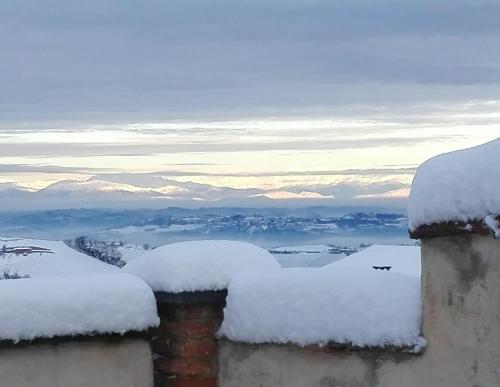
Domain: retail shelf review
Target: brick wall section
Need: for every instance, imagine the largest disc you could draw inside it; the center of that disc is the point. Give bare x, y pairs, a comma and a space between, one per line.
184, 345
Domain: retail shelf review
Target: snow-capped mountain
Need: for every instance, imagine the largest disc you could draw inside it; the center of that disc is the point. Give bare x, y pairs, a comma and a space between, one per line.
147, 190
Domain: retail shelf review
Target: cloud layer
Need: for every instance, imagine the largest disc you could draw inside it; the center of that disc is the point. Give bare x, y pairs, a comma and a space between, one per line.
122, 60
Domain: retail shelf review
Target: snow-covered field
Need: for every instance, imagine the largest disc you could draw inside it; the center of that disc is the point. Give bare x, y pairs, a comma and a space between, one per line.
130, 251
305, 255
124, 231
400, 259
53, 259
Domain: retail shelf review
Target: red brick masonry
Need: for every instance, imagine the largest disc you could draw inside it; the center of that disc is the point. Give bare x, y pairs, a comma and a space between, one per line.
184, 344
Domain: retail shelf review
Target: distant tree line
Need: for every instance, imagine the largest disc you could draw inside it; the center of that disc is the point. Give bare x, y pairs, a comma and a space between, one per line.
103, 251
6, 274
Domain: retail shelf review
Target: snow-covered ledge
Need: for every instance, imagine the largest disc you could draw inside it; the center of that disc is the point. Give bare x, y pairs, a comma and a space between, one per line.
78, 331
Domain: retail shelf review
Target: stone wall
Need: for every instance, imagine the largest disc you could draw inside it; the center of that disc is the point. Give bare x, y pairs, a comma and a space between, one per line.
86, 362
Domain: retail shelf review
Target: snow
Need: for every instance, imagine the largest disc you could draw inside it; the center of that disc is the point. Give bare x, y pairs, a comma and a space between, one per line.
181, 227
307, 259
130, 251
199, 265
401, 259
304, 248
365, 308
493, 224
305, 255
456, 186
173, 228
59, 259
75, 305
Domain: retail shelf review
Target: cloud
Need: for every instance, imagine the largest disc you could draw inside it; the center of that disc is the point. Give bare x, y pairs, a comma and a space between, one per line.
158, 59
36, 168
331, 172
397, 193
283, 195
352, 189
43, 149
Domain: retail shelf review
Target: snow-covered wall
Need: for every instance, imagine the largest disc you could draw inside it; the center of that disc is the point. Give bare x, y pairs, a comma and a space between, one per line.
460, 296
333, 304
73, 331
76, 331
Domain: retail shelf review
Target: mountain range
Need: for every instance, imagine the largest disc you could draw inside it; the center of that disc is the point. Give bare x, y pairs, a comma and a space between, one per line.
147, 190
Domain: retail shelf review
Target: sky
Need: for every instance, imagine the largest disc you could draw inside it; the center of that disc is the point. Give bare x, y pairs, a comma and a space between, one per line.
300, 99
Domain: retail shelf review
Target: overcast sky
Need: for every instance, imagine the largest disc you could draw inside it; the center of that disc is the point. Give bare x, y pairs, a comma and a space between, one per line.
197, 89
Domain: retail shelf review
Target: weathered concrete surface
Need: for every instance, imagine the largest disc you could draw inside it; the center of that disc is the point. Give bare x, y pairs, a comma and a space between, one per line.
116, 363
461, 320
461, 310
243, 365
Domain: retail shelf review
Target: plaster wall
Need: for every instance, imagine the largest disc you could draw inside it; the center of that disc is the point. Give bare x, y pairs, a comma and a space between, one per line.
86, 363
461, 321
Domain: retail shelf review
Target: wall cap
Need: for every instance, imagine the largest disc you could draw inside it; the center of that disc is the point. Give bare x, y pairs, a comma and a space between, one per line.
451, 228
191, 297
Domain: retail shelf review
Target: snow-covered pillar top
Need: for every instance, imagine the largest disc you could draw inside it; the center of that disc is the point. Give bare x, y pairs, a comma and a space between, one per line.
453, 208
457, 193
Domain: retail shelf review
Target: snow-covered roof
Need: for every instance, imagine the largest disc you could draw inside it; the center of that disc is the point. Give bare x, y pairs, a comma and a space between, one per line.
75, 305
199, 265
400, 259
335, 304
460, 186
58, 259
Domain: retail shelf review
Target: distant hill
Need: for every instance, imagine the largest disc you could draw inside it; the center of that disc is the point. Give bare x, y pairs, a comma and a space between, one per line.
36, 258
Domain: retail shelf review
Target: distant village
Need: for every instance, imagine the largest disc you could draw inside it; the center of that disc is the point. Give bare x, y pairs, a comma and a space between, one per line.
24, 250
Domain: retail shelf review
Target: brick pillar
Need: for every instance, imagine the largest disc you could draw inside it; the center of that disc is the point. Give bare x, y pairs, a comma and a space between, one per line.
184, 345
